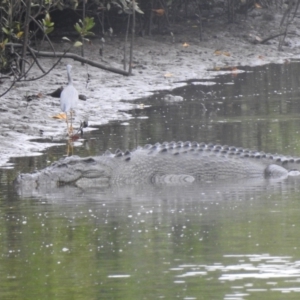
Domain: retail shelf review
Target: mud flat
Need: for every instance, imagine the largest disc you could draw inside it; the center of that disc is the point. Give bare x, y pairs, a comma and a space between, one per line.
161, 62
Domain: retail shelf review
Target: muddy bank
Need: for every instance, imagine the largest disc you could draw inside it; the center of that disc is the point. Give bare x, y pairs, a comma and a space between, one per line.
160, 63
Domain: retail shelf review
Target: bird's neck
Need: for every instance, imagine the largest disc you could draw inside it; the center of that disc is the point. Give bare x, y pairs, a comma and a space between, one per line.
70, 81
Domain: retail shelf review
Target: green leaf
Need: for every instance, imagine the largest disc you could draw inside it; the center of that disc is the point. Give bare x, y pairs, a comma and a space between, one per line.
75, 4
86, 25
77, 44
49, 30
66, 39
19, 34
89, 23
60, 6
6, 31
137, 9
47, 18
78, 28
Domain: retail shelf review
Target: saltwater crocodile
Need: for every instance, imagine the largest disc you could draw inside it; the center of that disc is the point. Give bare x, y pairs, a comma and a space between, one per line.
167, 163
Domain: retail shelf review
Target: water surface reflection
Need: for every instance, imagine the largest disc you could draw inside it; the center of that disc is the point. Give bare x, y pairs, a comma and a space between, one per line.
224, 240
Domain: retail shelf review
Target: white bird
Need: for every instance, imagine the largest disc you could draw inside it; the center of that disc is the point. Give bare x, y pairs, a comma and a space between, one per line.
69, 99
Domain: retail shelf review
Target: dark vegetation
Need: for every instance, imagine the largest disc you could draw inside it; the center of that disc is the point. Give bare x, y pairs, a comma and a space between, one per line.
26, 25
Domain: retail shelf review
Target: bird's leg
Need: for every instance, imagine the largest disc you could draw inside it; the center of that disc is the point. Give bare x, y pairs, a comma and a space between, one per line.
68, 130
69, 147
71, 128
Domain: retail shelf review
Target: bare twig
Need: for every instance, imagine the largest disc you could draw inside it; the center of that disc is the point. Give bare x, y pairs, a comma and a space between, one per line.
35, 59
125, 44
19, 78
132, 38
82, 38
286, 21
46, 35
26, 35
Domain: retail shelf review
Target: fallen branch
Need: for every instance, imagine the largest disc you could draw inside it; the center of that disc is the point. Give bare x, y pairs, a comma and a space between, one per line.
271, 37
75, 57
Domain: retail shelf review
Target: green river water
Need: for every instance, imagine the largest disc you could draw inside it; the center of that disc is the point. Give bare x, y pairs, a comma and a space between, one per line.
231, 240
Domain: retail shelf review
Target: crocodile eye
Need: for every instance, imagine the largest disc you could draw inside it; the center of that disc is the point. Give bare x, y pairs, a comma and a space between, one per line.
89, 160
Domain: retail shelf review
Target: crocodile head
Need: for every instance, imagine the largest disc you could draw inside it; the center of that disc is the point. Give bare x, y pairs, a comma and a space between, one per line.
70, 170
